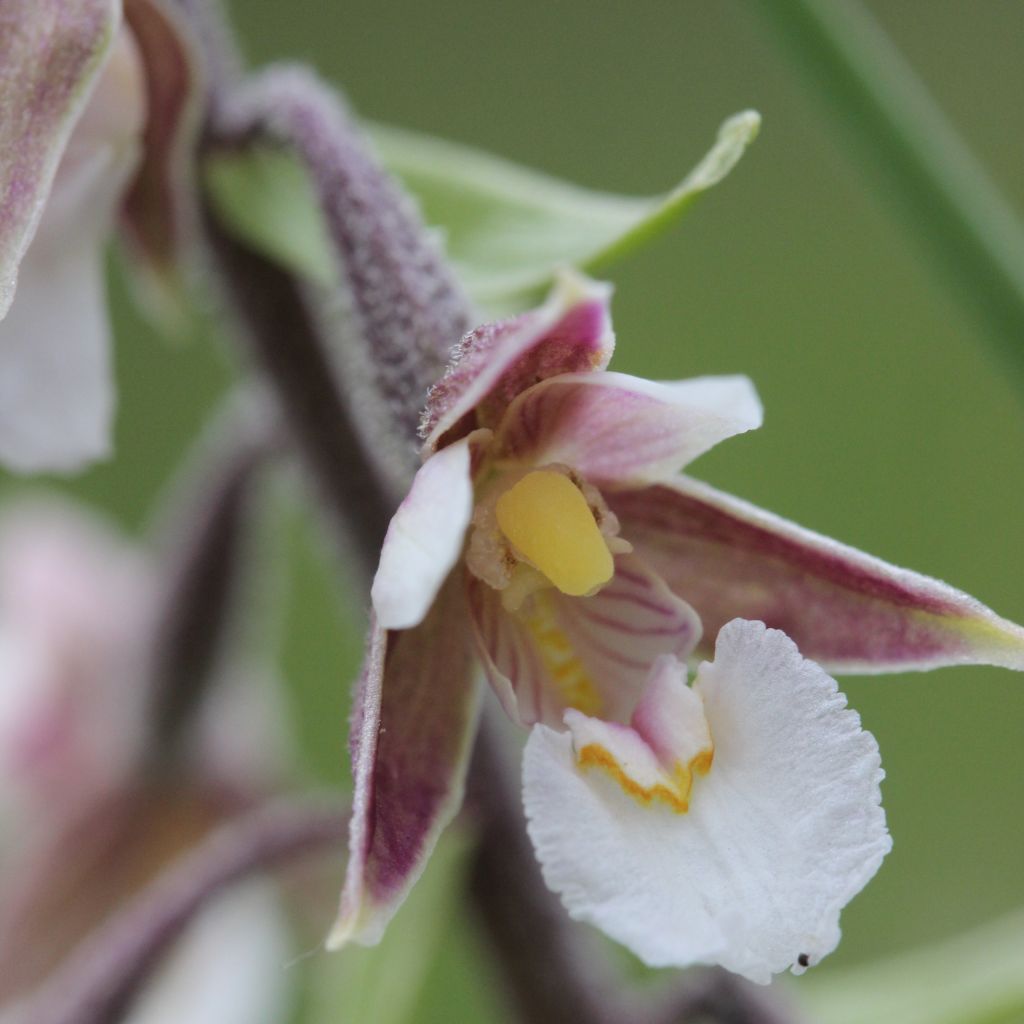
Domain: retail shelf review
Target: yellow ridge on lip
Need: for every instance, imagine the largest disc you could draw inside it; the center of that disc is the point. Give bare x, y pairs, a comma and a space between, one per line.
573, 683
676, 795
547, 520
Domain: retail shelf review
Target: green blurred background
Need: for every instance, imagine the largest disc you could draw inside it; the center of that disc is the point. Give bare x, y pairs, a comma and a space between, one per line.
889, 425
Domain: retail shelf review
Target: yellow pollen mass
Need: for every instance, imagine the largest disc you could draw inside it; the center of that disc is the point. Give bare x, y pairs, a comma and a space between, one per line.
546, 518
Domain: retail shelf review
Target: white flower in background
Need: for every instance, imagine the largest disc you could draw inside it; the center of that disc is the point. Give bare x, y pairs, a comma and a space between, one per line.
76, 604
56, 383
96, 113
82, 827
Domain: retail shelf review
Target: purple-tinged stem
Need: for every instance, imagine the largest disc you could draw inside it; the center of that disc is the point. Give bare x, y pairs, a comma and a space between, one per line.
99, 981
398, 311
717, 997
204, 558
281, 339
546, 974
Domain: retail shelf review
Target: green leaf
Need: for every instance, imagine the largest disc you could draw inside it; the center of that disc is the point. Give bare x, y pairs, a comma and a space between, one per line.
974, 978
266, 197
509, 228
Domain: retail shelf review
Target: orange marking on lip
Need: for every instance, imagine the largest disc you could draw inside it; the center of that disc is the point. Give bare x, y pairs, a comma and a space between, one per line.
676, 796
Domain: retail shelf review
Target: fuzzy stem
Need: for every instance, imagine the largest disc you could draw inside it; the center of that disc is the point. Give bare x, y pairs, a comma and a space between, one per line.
100, 980
546, 973
717, 997
402, 310
966, 226
282, 339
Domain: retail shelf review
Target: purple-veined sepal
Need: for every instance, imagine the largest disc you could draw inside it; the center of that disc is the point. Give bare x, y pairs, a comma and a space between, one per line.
159, 218
412, 731
570, 333
51, 53
845, 609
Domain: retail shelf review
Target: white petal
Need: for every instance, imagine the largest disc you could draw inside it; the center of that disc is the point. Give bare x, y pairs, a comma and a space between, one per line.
780, 834
623, 431
56, 391
424, 539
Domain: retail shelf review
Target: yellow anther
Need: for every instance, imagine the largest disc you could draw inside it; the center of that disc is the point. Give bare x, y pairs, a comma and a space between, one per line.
548, 521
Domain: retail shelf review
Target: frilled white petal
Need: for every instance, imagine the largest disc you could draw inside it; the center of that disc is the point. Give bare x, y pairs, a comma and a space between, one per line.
781, 832
56, 388
424, 539
623, 431
847, 610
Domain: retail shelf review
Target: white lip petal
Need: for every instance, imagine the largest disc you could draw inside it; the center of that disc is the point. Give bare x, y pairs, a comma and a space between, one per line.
780, 834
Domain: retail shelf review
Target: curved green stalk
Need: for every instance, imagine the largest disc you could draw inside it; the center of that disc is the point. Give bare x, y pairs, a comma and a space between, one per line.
947, 198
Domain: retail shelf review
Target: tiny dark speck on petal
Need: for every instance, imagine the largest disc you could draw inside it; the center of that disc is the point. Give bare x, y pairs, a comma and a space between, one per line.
803, 960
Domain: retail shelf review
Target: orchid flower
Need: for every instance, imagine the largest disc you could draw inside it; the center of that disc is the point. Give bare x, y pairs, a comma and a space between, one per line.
548, 538
93, 126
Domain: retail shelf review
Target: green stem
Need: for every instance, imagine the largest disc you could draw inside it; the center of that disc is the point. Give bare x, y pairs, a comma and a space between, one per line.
919, 160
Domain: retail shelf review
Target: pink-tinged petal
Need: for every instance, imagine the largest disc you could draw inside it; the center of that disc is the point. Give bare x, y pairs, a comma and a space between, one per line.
412, 732
56, 387
424, 539
589, 653
845, 609
622, 431
570, 333
51, 52
75, 609
159, 215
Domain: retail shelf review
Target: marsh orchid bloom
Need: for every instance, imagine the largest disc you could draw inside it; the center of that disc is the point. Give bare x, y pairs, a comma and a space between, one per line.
94, 118
549, 538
